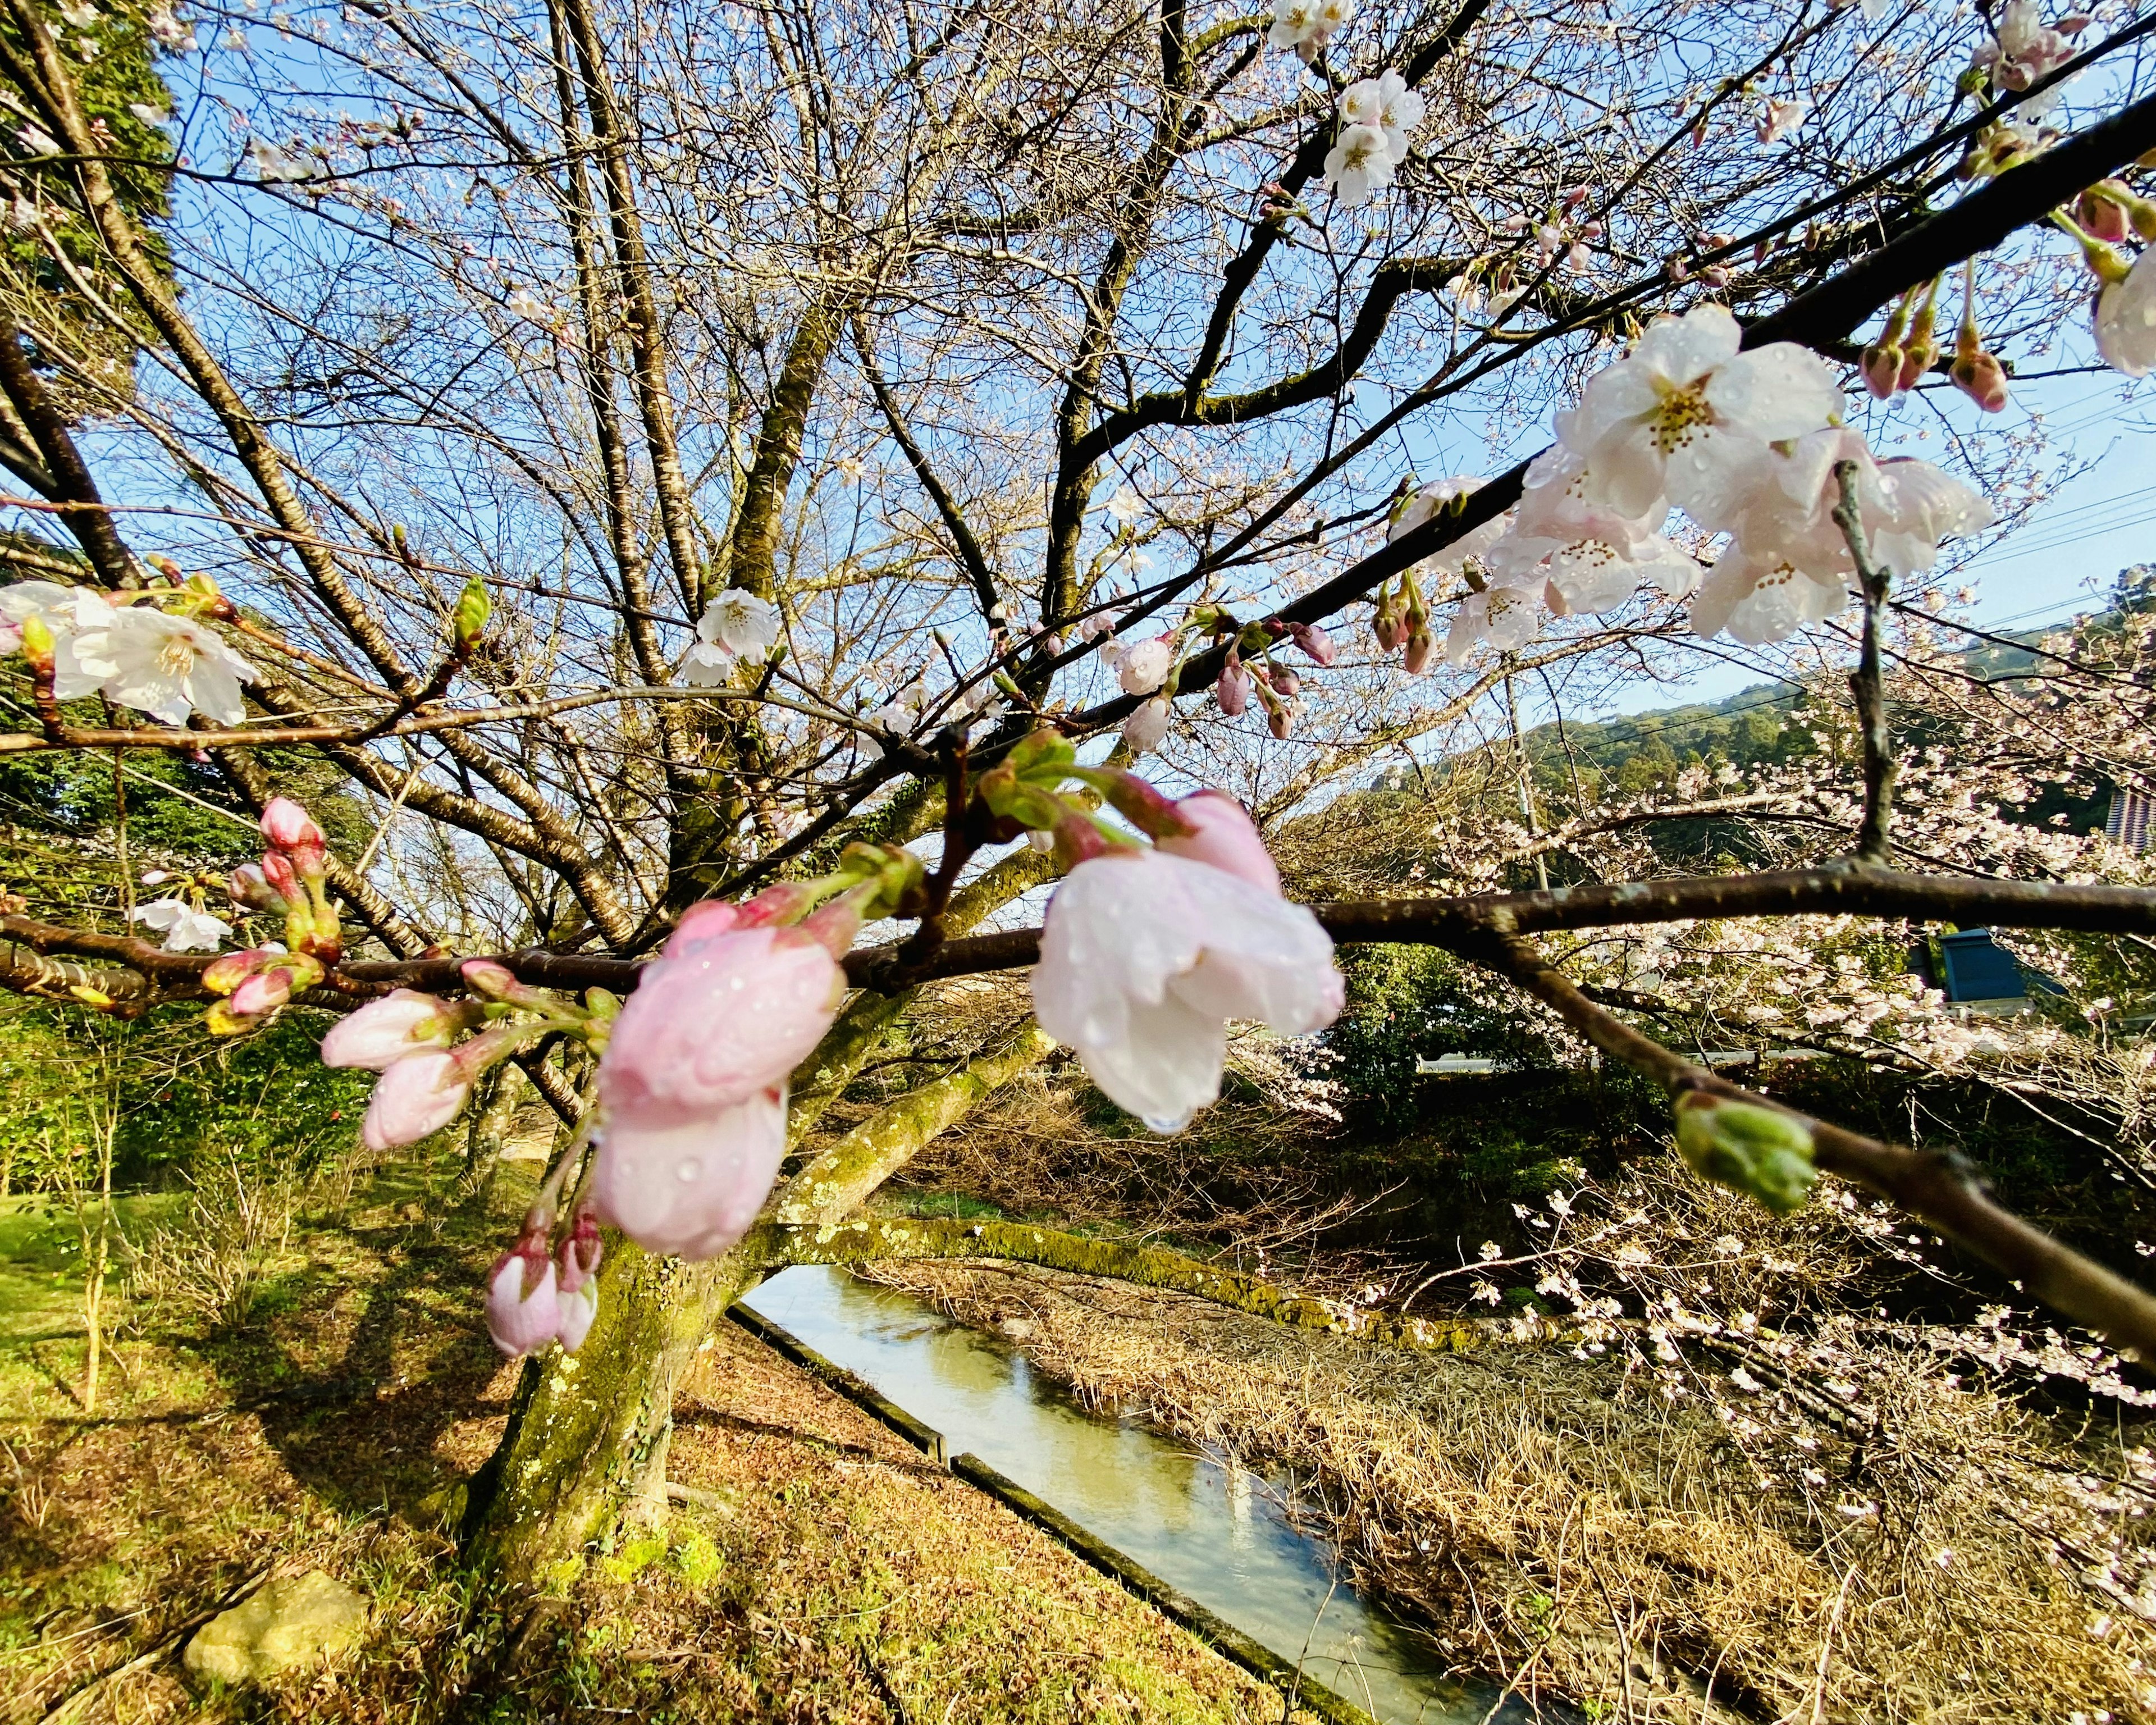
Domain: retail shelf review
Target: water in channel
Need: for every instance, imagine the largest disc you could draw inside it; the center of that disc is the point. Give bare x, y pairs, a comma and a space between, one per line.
1215, 1530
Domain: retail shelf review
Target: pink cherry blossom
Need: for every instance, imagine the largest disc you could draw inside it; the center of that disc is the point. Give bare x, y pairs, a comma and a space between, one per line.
725, 1012
691, 1183
692, 1083
1146, 955
2125, 317
289, 827
384, 1031
1226, 838
417, 1095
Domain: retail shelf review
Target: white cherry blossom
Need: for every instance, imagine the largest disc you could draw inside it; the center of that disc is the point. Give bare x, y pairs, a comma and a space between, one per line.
1143, 666
1359, 163
1387, 102
81, 624
1593, 556
2126, 318
1759, 596
1125, 506
1687, 416
185, 929
1146, 729
1506, 617
272, 164
1779, 117
170, 667
737, 625
1144, 959
1308, 25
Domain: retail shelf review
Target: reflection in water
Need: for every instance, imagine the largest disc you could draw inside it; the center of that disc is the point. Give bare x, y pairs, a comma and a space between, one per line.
1213, 1529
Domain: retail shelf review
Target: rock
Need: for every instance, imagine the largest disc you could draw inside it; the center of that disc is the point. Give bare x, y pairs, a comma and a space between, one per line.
297, 1620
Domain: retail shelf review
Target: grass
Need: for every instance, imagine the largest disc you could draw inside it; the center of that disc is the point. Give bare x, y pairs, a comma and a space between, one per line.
1571, 1531
841, 1578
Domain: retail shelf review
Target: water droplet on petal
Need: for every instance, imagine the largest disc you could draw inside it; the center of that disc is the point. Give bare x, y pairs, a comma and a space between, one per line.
688, 1170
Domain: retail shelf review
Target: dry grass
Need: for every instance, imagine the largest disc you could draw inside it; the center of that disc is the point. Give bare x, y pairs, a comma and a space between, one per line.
846, 1580
1569, 1528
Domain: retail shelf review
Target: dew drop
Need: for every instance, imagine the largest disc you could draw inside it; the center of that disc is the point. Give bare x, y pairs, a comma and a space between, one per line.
688, 1169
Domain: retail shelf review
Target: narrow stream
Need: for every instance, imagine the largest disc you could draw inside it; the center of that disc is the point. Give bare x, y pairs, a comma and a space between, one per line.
1213, 1530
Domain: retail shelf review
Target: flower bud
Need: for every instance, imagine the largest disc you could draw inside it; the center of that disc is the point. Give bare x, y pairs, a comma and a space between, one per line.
1761, 1152
1420, 643
262, 992
2102, 212
1979, 375
289, 827
1285, 681
523, 1308
1232, 690
1314, 641
1882, 363
1386, 625
1917, 358
467, 620
251, 891
283, 880
384, 1031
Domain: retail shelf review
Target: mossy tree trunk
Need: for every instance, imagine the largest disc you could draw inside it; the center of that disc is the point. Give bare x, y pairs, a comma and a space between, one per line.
588, 1435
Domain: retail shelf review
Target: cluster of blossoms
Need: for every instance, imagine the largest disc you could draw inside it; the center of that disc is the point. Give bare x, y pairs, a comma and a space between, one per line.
290, 881
1308, 25
1378, 118
1746, 444
1153, 668
736, 628
1149, 950
153, 650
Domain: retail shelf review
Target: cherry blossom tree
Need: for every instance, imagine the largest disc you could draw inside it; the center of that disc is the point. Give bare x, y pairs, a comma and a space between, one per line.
708, 480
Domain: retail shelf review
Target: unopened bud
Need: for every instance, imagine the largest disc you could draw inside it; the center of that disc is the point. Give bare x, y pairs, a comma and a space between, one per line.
1386, 625
250, 891
1314, 642
468, 621
1232, 690
1420, 643
287, 825
1979, 375
1882, 365
1760, 1152
1917, 359
2102, 212
38, 646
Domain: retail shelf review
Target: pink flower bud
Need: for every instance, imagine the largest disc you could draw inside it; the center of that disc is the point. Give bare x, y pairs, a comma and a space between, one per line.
578, 1307
1314, 641
288, 826
1883, 369
385, 1031
1225, 837
1420, 643
701, 920
688, 1183
787, 902
262, 993
284, 880
1144, 667
1386, 624
1574, 197
713, 1024
1285, 681
1715, 275
250, 891
1980, 377
580, 1251
2102, 213
523, 1310
1232, 690
483, 977
1917, 358
1279, 719
417, 1095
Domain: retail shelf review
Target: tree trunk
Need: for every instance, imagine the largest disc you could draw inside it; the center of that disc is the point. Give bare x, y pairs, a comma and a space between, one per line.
587, 1441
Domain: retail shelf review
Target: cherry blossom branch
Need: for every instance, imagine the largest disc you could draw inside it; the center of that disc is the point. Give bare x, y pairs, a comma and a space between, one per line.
1939, 1186
1818, 317
1832, 890
1865, 682
58, 735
